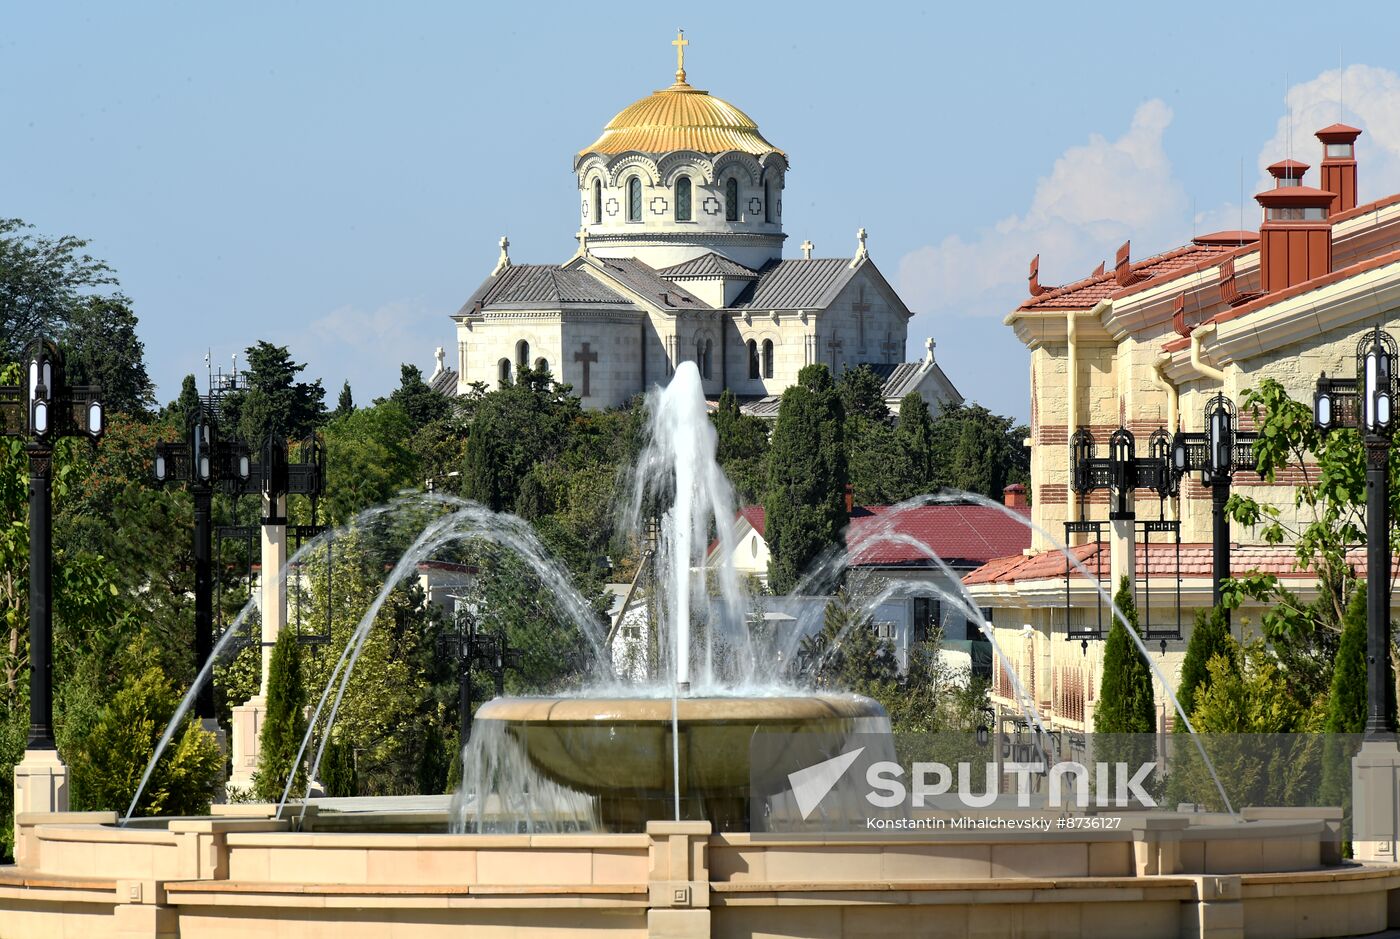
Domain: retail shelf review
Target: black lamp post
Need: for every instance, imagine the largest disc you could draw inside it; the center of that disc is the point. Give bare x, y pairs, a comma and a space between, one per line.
1366, 403
42, 409
1216, 452
474, 648
203, 462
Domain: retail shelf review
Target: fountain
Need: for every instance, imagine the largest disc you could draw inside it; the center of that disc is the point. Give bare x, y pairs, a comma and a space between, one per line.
678, 746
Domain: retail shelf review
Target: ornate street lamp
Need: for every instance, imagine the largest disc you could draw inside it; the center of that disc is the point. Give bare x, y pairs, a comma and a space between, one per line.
1366, 403
41, 410
203, 461
473, 648
1216, 453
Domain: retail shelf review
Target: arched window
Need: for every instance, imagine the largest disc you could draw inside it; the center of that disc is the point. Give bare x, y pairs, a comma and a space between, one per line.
542, 366
753, 359
731, 199
767, 201
705, 360
522, 354
503, 372
597, 202
634, 199
767, 358
683, 199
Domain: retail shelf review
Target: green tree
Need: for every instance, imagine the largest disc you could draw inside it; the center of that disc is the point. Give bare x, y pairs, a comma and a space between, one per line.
1210, 637
275, 400
101, 347
807, 477
434, 762
422, 404
284, 724
977, 451
43, 283
187, 406
915, 435
528, 421
482, 471
107, 762
849, 654
1346, 705
338, 768
346, 402
368, 458
863, 395
1125, 701
879, 465
741, 449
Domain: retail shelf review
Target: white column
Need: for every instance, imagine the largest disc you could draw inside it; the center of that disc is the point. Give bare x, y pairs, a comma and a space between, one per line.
248, 717
1375, 800
41, 784
1122, 552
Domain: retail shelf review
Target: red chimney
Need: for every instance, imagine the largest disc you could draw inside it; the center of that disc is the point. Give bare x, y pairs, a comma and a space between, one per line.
850, 500
1014, 496
1339, 165
1295, 241
1288, 173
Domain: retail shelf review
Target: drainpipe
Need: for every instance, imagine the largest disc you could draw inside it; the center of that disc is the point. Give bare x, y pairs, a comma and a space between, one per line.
1198, 362
1071, 375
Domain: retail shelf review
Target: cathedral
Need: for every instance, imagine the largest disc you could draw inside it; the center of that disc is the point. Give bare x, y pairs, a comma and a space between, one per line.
680, 257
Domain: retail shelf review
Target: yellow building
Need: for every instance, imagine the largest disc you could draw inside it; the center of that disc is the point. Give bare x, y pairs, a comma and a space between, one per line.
1144, 345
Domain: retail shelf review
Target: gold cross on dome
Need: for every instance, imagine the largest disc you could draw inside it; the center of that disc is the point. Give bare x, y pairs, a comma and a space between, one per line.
680, 42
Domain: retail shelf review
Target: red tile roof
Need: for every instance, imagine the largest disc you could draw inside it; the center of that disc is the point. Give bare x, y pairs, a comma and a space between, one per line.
1155, 560
962, 535
1269, 299
1084, 294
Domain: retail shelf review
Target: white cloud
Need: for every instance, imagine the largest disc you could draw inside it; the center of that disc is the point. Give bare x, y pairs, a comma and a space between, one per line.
367, 346
1096, 196
1361, 95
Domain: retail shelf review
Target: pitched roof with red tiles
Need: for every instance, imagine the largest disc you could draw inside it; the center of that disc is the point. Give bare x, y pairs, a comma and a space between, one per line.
1154, 560
962, 535
1085, 294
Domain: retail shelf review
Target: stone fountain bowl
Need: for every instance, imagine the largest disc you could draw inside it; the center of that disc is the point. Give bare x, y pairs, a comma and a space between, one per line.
620, 748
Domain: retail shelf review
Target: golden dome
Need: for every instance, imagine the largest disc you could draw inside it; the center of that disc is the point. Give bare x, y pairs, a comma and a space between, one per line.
681, 118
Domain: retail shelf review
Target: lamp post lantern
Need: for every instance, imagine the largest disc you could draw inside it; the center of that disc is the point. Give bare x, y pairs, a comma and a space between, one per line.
1366, 404
204, 461
41, 410
1217, 452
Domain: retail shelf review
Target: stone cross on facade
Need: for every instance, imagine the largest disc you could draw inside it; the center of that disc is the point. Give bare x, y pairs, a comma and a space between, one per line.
928, 350
834, 346
861, 252
587, 356
807, 247
889, 347
861, 307
441, 355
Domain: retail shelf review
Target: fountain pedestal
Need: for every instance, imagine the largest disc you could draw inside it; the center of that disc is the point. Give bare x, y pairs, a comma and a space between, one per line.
41, 783
247, 732
1375, 796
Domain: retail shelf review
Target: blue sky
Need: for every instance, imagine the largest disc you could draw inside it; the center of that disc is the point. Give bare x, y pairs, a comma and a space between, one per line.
334, 176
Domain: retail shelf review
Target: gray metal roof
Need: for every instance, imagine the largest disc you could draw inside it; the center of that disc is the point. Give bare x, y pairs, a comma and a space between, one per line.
645, 280
898, 379
796, 284
541, 284
445, 383
708, 265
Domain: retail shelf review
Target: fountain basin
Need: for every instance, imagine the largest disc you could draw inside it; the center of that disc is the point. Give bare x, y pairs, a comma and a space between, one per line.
620, 749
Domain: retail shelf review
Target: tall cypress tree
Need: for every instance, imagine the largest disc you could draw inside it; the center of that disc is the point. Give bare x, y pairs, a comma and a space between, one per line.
915, 434
481, 474
346, 402
1346, 705
284, 724
1125, 702
805, 502
1209, 638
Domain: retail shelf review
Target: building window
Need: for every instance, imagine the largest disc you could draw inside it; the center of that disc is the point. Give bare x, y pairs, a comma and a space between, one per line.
522, 355
1295, 214
767, 201
683, 199
1341, 151
928, 615
705, 360
634, 199
597, 202
731, 199
883, 630
767, 358
753, 359
503, 372
542, 366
